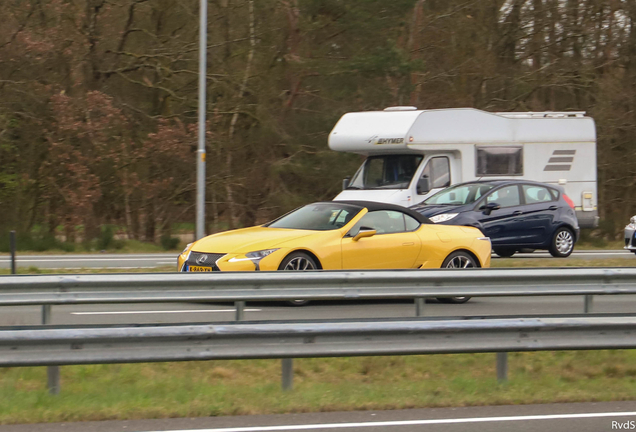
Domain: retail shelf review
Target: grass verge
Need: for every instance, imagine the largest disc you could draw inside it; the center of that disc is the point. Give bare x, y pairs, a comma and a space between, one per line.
563, 262
215, 388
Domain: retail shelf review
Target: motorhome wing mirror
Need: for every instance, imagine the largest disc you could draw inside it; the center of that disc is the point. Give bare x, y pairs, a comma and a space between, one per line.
364, 232
345, 183
488, 208
423, 186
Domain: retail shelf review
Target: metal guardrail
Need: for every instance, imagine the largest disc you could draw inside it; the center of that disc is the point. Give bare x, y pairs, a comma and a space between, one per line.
59, 345
319, 285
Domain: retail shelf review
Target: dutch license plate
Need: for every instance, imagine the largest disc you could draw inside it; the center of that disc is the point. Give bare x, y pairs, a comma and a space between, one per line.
199, 269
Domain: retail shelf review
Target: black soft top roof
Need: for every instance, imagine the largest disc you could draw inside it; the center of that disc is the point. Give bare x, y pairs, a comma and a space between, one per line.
374, 206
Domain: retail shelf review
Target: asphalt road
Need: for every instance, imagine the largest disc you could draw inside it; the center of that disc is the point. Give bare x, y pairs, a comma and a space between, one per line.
209, 312
126, 261
580, 417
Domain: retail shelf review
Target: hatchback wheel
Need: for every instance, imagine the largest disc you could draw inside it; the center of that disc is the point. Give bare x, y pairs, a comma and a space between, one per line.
458, 260
298, 261
562, 243
504, 253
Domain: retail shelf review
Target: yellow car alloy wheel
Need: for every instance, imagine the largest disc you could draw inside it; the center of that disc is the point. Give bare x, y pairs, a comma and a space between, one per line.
458, 260
298, 261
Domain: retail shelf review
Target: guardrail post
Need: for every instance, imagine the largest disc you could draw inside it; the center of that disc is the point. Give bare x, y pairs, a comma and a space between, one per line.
287, 369
589, 302
287, 364
419, 306
52, 372
240, 310
12, 245
502, 366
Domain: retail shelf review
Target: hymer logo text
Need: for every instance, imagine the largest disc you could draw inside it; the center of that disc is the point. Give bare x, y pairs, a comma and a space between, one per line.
626, 426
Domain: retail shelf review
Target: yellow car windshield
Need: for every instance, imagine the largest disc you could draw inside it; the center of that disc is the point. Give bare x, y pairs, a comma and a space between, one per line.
318, 217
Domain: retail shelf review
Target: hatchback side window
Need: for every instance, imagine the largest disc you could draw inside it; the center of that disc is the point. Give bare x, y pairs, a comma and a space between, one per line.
506, 196
383, 221
536, 194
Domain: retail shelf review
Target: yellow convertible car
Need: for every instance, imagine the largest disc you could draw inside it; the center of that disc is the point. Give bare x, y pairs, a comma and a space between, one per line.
341, 235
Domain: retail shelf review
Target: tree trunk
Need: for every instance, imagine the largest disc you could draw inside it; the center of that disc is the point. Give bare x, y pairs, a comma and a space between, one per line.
235, 116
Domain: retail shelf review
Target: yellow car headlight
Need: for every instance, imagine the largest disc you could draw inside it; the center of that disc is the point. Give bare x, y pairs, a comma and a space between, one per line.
259, 255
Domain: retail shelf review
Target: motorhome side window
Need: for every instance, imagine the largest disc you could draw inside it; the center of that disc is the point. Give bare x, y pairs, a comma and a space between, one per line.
499, 160
438, 172
386, 172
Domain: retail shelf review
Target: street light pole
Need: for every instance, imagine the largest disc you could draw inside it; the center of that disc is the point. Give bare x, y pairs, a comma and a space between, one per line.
203, 39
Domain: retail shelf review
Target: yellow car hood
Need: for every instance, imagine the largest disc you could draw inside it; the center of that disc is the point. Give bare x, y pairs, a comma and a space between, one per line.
248, 239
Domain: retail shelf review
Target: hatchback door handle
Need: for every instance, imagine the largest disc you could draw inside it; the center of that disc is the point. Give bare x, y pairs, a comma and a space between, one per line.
552, 208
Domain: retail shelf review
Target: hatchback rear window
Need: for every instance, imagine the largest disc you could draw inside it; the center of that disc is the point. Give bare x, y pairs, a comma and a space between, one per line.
537, 194
555, 193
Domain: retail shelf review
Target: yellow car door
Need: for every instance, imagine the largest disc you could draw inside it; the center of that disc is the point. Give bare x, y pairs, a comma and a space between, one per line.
391, 247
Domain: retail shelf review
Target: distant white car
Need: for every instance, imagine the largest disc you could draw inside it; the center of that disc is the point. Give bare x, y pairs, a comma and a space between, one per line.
630, 235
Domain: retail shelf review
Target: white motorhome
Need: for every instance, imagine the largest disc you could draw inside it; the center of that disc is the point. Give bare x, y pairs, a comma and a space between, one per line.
411, 154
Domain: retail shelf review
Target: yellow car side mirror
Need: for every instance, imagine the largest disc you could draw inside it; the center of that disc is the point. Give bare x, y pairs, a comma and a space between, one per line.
364, 233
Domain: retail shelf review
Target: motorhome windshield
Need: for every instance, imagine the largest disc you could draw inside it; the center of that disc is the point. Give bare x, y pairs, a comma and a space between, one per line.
386, 172
460, 194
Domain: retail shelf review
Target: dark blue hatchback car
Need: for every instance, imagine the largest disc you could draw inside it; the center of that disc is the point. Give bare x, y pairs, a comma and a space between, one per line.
515, 214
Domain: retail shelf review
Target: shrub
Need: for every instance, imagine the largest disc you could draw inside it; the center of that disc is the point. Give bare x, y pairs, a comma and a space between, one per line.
168, 242
34, 242
106, 237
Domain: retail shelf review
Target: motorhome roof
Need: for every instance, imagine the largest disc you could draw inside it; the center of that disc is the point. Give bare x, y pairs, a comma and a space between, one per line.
406, 129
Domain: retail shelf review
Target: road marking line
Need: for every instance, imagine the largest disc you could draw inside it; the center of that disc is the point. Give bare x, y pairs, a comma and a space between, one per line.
602, 253
162, 311
412, 422
19, 260
94, 268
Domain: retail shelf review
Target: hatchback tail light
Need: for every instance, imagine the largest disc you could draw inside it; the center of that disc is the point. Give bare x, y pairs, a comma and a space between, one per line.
568, 200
